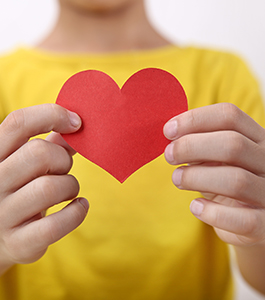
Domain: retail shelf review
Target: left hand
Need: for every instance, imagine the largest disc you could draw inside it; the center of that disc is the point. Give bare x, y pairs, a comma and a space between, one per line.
224, 150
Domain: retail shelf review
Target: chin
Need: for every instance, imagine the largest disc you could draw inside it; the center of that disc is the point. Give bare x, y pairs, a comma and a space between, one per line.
98, 5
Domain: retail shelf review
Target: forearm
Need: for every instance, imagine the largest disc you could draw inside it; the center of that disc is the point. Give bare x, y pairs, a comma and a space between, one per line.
251, 262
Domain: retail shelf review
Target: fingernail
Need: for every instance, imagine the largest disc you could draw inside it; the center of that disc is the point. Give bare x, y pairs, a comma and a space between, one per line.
170, 129
169, 156
196, 207
177, 176
84, 203
74, 119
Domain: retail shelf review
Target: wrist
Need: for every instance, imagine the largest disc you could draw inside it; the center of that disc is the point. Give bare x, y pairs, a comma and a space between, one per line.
251, 264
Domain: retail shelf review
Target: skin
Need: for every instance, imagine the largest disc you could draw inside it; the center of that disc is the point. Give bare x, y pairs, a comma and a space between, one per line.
231, 180
34, 176
210, 140
93, 26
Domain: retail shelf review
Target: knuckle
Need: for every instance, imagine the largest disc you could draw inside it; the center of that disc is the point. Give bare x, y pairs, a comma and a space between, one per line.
240, 183
45, 189
12, 244
72, 184
48, 157
55, 110
54, 189
58, 113
231, 114
52, 108
250, 224
183, 149
38, 150
219, 218
14, 122
6, 237
193, 119
187, 146
53, 231
235, 145
53, 113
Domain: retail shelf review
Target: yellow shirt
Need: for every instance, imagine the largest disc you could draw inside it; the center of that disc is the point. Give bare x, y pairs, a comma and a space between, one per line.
139, 240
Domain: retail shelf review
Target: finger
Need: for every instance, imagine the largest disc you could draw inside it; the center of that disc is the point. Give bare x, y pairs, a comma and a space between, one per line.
59, 224
228, 147
56, 138
22, 124
33, 238
222, 116
35, 197
227, 181
35, 158
243, 221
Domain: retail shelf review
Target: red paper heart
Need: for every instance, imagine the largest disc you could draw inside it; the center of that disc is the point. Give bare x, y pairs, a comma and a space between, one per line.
122, 129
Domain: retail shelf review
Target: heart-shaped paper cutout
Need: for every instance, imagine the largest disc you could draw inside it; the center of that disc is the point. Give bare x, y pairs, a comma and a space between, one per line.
122, 129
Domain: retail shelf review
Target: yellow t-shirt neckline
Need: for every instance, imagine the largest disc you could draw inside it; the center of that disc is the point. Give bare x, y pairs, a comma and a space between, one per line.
144, 54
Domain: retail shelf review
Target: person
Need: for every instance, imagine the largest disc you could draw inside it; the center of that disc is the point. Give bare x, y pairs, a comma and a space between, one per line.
140, 240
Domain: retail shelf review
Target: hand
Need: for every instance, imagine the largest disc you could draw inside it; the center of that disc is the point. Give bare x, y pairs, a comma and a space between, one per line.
225, 152
34, 176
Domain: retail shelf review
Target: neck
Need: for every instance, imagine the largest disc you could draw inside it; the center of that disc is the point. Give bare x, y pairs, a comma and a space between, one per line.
123, 29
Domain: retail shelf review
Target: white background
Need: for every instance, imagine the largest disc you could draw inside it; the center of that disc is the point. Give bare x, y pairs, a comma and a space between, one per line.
233, 25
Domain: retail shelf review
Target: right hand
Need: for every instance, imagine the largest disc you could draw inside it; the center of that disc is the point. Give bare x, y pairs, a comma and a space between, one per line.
33, 177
